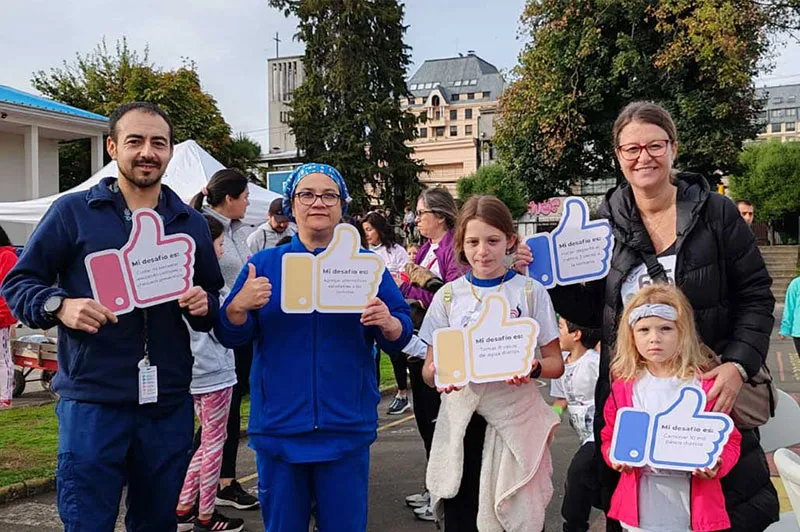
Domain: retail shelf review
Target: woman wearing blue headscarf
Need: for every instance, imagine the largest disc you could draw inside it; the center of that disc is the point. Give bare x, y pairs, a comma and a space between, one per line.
314, 395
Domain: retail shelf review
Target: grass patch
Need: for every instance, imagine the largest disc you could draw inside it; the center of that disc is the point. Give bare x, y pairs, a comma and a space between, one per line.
387, 371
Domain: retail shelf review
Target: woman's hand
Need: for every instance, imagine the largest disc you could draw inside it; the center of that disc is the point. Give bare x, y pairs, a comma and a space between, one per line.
706, 473
254, 294
376, 314
621, 468
522, 258
728, 382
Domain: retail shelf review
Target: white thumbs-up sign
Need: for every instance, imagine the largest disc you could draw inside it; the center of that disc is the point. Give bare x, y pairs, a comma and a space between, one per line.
340, 279
494, 348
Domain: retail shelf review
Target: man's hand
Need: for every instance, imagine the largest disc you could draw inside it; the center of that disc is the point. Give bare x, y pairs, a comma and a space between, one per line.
377, 314
196, 300
522, 258
84, 314
728, 382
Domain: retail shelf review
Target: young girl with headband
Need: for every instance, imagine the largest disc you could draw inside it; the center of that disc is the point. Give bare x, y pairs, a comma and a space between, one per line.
657, 354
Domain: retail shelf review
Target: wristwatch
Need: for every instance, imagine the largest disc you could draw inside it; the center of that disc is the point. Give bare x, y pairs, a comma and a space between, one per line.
742, 372
52, 305
537, 372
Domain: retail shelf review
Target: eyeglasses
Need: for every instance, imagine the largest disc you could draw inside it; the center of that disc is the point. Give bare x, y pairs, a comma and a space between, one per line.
631, 152
329, 199
421, 213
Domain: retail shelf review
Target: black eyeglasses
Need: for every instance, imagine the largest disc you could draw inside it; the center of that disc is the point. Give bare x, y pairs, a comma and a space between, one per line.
329, 199
631, 152
421, 213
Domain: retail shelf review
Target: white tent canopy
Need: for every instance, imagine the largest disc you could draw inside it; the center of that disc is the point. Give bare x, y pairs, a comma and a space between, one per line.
189, 171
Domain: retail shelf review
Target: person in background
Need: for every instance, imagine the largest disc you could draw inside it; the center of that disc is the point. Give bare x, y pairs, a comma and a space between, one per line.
226, 199
747, 210
381, 240
412, 250
213, 378
790, 324
574, 393
408, 223
110, 434
8, 258
276, 227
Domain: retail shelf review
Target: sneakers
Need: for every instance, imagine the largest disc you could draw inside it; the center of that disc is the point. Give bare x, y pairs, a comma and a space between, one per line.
235, 496
219, 522
424, 513
398, 406
419, 500
186, 522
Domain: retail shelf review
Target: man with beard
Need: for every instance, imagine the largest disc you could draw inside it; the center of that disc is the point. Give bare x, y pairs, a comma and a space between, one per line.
107, 438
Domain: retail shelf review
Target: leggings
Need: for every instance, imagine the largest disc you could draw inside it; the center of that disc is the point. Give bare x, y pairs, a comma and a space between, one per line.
796, 344
400, 370
426, 404
6, 369
203, 473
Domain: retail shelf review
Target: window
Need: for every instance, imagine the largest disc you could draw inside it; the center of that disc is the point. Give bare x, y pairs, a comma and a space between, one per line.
777, 100
457, 84
453, 131
453, 114
470, 96
791, 99
473, 82
412, 100
791, 112
412, 87
284, 117
455, 97
467, 114
486, 94
468, 130
423, 132
776, 128
435, 100
777, 113
439, 131
790, 126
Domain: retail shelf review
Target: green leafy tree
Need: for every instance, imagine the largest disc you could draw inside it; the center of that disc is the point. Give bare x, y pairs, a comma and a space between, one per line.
347, 111
769, 178
242, 154
587, 59
496, 180
104, 79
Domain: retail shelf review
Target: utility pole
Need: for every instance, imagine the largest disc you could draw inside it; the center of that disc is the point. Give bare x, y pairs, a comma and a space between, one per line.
277, 40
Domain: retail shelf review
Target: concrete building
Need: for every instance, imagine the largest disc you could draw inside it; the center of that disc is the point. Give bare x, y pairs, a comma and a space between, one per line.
779, 117
30, 129
459, 96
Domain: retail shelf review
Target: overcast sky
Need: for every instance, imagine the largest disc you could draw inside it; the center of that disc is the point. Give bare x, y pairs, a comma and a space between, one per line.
230, 41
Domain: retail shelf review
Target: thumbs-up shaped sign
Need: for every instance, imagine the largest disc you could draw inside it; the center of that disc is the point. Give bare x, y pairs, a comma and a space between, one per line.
578, 250
340, 279
683, 437
150, 269
494, 348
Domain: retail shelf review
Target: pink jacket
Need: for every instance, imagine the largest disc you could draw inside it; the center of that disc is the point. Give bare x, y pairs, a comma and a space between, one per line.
707, 504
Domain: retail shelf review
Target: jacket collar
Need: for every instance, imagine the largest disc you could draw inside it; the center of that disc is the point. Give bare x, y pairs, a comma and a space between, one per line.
170, 206
620, 208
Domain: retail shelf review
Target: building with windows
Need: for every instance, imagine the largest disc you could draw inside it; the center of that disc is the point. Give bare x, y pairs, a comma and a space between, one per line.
459, 98
779, 116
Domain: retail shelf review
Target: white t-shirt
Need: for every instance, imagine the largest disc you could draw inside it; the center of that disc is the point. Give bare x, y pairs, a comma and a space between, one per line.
664, 496
465, 309
638, 278
395, 258
430, 261
577, 385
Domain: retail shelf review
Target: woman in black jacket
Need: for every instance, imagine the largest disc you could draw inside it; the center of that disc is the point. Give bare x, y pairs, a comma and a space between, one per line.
707, 250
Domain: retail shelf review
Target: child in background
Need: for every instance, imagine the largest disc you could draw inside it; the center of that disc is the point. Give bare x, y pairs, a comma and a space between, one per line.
412, 250
657, 354
8, 258
574, 392
213, 378
790, 324
508, 423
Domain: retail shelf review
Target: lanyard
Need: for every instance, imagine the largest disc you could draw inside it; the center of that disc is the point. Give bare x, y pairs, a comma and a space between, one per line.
144, 333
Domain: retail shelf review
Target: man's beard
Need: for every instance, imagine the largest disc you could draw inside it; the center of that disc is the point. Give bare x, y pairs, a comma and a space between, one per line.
153, 178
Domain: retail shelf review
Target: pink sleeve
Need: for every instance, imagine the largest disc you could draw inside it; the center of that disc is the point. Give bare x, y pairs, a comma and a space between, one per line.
610, 417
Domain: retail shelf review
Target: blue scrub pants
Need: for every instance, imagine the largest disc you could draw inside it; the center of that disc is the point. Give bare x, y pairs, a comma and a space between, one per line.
339, 488
101, 448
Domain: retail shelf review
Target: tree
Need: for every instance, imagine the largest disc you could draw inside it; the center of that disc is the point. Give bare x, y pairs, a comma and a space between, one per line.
770, 179
494, 179
587, 59
242, 154
347, 111
103, 80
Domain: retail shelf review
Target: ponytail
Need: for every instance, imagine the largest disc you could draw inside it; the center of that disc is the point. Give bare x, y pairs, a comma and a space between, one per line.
225, 182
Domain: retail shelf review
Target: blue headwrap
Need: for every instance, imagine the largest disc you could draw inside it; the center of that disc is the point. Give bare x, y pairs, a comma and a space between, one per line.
290, 185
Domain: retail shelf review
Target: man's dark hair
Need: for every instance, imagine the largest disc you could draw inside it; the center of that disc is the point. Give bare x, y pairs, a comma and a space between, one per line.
589, 335
145, 107
744, 201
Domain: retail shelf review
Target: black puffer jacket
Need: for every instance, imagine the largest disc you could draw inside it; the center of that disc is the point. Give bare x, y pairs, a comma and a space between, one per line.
721, 271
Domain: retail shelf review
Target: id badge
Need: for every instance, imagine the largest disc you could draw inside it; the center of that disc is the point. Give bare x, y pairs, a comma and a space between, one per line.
148, 383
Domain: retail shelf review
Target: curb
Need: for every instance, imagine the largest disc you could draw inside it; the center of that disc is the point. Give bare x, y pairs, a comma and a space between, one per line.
27, 488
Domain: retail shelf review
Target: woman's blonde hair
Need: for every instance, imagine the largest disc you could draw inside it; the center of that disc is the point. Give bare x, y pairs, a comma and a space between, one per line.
627, 362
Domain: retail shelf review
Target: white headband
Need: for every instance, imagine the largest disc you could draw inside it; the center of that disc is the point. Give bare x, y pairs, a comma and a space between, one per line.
658, 310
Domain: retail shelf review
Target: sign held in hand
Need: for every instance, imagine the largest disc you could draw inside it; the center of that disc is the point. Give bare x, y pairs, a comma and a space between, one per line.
494, 348
684, 437
338, 280
152, 268
577, 251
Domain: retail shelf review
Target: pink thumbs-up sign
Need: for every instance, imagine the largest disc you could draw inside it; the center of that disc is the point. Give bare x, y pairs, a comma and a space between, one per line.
152, 268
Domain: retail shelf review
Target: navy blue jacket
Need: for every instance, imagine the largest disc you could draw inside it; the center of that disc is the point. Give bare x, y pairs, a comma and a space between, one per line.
102, 367
313, 384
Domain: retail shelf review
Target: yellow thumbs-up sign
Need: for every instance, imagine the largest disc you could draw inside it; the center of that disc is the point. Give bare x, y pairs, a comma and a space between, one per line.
338, 280
495, 348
